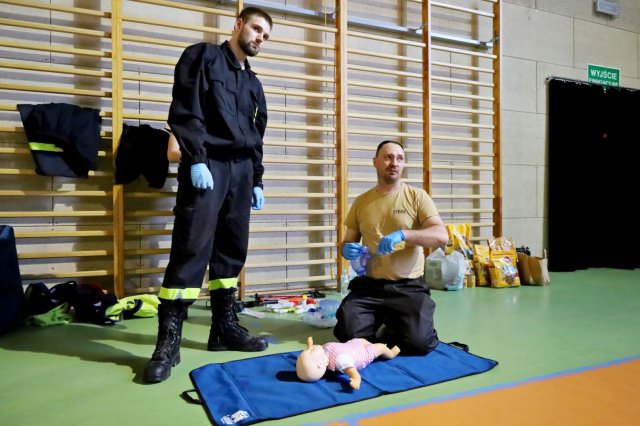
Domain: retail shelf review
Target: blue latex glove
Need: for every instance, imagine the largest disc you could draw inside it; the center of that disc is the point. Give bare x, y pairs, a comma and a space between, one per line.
201, 176
258, 198
351, 251
388, 241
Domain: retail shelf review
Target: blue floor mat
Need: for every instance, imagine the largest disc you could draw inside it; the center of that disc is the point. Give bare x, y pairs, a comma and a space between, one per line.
266, 388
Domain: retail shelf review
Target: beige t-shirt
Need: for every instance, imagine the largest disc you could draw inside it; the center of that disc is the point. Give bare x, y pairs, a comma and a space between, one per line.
375, 215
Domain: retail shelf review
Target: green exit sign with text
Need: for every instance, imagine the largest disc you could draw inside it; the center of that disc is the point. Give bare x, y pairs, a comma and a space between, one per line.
604, 75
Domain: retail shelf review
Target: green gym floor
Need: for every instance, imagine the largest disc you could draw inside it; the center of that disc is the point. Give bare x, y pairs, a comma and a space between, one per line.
82, 374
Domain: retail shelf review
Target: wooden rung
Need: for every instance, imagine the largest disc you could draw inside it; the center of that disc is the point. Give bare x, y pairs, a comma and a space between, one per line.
461, 138
299, 178
294, 92
437, 107
462, 9
42, 47
462, 81
146, 232
144, 271
462, 196
141, 252
301, 127
461, 67
146, 117
463, 51
305, 43
382, 132
461, 124
58, 69
57, 214
168, 80
386, 39
383, 101
299, 144
378, 70
148, 213
301, 110
384, 55
370, 85
287, 58
249, 265
175, 24
282, 23
299, 160
60, 254
293, 212
29, 172
261, 229
465, 168
295, 76
462, 182
148, 98
23, 193
64, 234
68, 9
291, 246
144, 59
475, 211
385, 118
68, 274
154, 41
15, 151
288, 280
53, 89
149, 194
186, 6
50, 27
463, 153
462, 95
270, 194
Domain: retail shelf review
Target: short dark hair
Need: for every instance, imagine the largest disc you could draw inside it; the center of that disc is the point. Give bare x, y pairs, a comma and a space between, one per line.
250, 11
383, 143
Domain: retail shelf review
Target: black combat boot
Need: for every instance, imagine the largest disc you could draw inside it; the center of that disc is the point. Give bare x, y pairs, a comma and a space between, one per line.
226, 333
171, 314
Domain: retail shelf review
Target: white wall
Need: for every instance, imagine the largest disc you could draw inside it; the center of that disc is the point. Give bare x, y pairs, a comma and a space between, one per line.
544, 38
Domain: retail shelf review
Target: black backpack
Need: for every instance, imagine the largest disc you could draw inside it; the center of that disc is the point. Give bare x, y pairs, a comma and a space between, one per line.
11, 293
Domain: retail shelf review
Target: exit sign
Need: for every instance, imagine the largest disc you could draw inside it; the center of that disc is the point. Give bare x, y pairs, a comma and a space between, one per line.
604, 75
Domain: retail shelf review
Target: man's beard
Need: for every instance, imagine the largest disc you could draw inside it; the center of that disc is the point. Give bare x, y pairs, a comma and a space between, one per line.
247, 48
389, 178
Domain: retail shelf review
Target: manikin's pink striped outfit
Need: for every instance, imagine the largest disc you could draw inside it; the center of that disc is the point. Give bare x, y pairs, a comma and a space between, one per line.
353, 353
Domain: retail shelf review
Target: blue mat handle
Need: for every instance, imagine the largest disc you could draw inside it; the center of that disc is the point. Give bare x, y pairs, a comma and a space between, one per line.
191, 400
459, 345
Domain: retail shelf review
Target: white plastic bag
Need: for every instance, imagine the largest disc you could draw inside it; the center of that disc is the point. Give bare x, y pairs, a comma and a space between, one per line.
445, 272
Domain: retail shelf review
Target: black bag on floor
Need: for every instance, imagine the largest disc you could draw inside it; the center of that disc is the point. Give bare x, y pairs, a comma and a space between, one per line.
11, 294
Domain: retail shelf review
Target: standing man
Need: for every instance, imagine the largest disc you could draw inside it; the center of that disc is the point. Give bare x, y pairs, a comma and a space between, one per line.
219, 116
395, 221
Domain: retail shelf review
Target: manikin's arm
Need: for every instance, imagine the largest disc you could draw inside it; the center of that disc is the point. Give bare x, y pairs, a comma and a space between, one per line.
354, 377
385, 352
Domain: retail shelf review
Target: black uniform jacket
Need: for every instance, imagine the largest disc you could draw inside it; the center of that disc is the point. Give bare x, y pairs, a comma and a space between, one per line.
218, 109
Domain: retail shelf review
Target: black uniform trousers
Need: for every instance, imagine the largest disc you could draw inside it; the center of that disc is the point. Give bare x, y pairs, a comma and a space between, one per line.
211, 226
405, 308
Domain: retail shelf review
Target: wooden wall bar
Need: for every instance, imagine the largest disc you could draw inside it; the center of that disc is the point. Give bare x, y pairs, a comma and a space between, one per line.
337, 84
